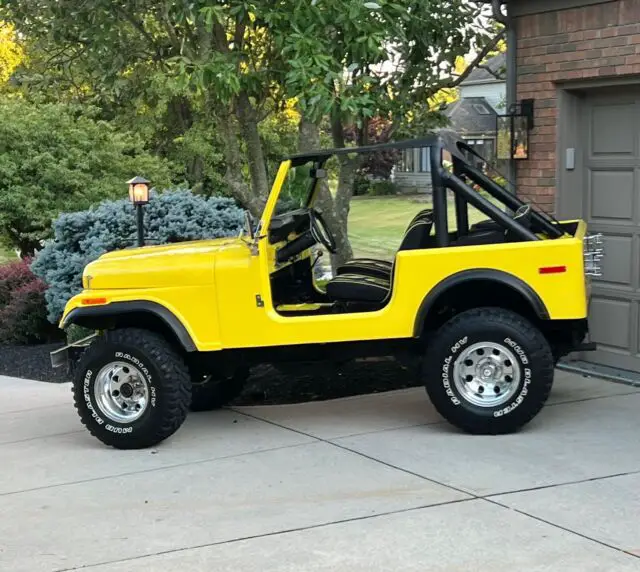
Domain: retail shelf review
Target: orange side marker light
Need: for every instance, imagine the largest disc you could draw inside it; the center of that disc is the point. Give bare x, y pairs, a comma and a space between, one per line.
93, 301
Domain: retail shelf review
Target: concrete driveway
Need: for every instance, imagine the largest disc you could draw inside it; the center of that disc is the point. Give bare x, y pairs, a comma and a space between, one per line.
366, 483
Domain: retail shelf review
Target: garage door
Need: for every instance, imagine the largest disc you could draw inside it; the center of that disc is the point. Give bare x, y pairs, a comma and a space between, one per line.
611, 128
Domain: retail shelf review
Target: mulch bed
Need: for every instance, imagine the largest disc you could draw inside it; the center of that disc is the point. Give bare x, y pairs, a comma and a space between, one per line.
31, 362
266, 385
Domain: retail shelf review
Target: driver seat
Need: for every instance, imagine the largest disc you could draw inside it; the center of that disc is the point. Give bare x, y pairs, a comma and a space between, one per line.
370, 284
356, 288
415, 237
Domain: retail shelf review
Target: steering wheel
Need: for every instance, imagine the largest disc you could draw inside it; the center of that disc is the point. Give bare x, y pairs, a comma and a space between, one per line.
522, 215
320, 231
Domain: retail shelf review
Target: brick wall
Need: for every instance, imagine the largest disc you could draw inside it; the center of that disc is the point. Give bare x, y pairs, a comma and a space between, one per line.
597, 41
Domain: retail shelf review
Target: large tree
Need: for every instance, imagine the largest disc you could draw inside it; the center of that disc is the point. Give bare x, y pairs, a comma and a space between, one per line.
233, 62
353, 61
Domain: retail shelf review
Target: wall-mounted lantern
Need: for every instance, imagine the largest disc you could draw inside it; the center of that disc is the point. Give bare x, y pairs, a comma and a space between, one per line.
139, 196
513, 131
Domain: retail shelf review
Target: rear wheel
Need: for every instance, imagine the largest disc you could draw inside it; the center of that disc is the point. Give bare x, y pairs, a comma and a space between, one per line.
131, 389
488, 371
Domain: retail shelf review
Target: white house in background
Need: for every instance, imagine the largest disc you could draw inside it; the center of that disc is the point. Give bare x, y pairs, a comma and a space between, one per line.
489, 82
473, 116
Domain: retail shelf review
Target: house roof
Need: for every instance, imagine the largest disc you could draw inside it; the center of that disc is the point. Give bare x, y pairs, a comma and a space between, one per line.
495, 66
472, 115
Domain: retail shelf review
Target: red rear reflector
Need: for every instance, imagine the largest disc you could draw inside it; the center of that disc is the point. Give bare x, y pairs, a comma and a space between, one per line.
93, 301
552, 269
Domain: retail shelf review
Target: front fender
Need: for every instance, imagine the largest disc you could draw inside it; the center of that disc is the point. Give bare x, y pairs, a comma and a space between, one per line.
92, 311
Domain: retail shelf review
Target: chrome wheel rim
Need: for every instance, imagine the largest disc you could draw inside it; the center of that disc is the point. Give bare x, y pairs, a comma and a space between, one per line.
121, 392
487, 374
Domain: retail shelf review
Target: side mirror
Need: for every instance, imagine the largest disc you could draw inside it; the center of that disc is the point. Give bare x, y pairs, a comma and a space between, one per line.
248, 224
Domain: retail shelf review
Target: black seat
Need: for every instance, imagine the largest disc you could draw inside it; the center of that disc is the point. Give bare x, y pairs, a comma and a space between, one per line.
357, 288
415, 237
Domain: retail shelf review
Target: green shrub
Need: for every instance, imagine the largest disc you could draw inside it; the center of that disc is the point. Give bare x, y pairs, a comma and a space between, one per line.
56, 158
76, 333
381, 188
361, 185
81, 237
23, 313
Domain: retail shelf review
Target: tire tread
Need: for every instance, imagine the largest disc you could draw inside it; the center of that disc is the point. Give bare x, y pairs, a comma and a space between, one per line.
538, 351
176, 387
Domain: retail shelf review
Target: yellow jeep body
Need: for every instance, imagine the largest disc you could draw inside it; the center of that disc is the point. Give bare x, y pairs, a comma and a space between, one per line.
485, 310
218, 292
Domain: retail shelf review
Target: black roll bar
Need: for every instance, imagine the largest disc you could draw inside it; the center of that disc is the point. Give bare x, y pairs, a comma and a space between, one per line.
487, 207
438, 174
462, 207
503, 195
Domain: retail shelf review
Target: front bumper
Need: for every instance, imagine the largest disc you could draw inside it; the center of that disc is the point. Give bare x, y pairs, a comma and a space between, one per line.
69, 354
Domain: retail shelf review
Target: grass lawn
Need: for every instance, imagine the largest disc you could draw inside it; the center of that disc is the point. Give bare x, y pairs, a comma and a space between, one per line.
6, 255
377, 225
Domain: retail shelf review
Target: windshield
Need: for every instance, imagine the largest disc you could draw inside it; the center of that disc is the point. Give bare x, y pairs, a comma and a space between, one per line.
297, 189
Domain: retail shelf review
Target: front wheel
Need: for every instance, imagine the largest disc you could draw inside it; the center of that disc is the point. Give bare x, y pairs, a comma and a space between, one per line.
488, 371
132, 389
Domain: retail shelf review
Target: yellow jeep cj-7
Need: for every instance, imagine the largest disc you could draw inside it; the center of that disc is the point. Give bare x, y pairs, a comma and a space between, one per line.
484, 309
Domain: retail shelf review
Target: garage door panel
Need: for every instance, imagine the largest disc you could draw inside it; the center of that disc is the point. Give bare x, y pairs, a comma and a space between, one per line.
618, 263
610, 198
609, 322
615, 134
612, 195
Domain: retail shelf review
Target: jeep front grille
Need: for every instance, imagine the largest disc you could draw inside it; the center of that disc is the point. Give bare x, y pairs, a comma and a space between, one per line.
593, 253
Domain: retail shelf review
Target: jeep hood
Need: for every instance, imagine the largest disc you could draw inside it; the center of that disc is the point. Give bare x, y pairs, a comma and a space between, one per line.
185, 264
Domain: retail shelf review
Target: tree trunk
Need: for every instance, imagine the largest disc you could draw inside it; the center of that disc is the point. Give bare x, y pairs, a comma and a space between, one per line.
309, 140
248, 122
182, 119
27, 247
238, 187
342, 203
20, 237
195, 174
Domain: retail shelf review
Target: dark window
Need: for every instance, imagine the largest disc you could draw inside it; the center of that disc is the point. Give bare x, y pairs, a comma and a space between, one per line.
425, 161
484, 147
407, 162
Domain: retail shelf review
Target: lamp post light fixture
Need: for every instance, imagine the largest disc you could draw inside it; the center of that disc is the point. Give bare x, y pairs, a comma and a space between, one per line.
139, 196
513, 131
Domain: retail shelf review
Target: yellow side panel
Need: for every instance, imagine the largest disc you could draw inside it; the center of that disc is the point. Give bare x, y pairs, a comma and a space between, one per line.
222, 295
245, 324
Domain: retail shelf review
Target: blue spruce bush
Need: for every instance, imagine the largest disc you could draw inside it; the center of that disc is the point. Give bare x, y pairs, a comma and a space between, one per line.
81, 237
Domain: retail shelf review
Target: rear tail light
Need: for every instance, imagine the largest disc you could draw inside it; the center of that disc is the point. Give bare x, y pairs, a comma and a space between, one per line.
593, 253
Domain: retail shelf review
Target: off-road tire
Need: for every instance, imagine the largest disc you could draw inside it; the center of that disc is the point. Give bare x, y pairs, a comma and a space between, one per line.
497, 326
216, 392
165, 373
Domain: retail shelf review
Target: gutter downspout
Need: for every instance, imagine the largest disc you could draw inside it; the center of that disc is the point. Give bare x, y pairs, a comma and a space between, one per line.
512, 85
512, 71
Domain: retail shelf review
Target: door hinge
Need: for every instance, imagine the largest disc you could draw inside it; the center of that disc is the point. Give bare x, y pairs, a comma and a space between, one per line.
259, 301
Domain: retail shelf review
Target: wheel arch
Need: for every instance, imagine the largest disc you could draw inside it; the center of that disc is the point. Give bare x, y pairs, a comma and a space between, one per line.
480, 287
143, 313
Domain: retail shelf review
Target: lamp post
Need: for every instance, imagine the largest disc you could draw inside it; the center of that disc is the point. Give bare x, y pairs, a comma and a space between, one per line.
139, 196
